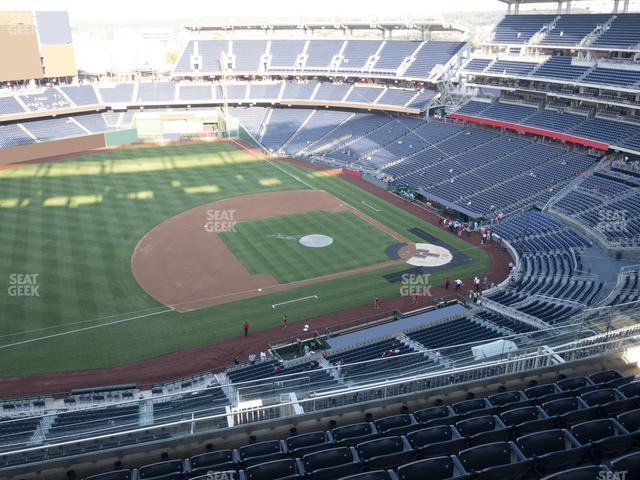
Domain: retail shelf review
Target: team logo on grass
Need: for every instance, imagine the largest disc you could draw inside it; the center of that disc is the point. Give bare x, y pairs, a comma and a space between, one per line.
414, 285
220, 221
283, 236
24, 285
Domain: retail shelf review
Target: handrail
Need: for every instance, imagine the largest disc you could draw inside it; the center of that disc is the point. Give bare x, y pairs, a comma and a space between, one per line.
613, 342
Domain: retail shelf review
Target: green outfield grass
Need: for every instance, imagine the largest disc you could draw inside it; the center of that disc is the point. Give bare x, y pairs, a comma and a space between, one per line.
260, 247
74, 224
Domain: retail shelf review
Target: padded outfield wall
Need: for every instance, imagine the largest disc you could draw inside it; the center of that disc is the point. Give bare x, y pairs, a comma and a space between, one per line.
66, 146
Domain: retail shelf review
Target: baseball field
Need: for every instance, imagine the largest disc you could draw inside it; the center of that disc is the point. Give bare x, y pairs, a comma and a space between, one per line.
106, 258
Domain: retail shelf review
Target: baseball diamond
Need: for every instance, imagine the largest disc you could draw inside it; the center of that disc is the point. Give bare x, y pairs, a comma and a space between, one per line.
320, 240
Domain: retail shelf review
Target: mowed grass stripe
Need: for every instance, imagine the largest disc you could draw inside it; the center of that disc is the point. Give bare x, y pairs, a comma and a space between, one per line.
108, 231
261, 248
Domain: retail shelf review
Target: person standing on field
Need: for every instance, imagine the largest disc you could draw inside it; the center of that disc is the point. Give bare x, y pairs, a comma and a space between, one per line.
245, 325
285, 322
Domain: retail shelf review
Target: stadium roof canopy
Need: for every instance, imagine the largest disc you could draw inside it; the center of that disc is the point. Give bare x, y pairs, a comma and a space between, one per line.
516, 4
344, 24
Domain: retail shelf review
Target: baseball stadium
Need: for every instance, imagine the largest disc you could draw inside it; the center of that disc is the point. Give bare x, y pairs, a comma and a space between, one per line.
323, 247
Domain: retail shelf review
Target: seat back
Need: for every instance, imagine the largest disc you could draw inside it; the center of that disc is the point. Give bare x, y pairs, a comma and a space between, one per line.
470, 405
161, 468
540, 443
373, 475
590, 472
520, 415
259, 449
327, 458
270, 470
605, 376
630, 389
574, 383
475, 425
630, 420
593, 430
427, 414
423, 437
599, 397
115, 475
394, 421
353, 430
629, 463
484, 456
379, 446
437, 468
561, 406
505, 397
306, 440
211, 459
541, 390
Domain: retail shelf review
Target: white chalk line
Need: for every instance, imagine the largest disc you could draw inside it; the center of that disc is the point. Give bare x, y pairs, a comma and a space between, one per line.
370, 206
294, 300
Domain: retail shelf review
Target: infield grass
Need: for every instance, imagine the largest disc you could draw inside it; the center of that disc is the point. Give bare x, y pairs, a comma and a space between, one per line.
270, 246
75, 223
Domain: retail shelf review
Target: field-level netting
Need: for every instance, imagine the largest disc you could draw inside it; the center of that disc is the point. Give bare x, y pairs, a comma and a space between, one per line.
75, 223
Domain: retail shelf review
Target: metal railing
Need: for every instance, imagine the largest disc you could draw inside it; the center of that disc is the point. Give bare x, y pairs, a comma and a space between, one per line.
573, 341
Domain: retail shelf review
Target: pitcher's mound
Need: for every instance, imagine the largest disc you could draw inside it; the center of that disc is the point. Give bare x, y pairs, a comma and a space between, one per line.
316, 240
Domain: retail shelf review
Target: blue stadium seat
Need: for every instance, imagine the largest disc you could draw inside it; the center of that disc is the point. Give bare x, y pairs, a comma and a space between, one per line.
386, 452
285, 469
332, 463
551, 450
438, 440
219, 460
354, 433
499, 460
308, 442
437, 468
606, 438
115, 475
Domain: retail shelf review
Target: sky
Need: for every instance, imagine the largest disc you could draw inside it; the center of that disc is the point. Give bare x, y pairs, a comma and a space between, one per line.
83, 10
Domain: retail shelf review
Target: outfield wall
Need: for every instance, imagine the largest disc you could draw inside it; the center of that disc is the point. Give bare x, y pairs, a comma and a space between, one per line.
66, 146
54, 148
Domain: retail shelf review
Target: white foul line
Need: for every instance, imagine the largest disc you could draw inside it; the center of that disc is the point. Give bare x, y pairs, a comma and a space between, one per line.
84, 329
264, 157
370, 206
295, 300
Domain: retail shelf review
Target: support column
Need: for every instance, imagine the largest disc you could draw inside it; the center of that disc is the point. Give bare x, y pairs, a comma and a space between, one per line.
615, 6
626, 6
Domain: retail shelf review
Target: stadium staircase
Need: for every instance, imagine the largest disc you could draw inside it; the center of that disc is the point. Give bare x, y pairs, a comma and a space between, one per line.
512, 312
539, 36
305, 150
293, 135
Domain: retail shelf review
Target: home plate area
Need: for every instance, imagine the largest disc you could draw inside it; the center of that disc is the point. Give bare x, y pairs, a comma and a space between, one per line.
429, 255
